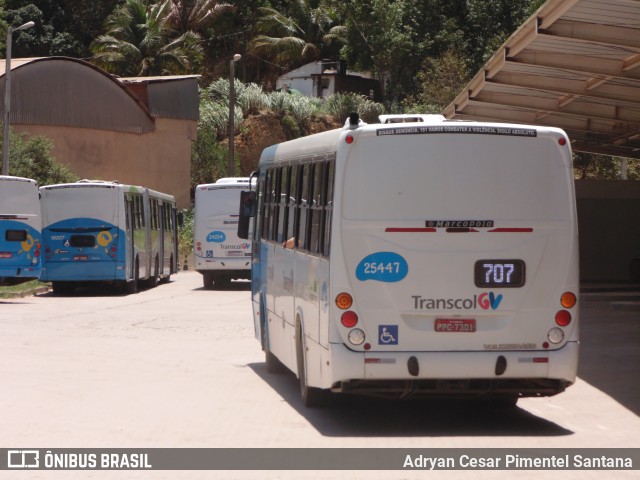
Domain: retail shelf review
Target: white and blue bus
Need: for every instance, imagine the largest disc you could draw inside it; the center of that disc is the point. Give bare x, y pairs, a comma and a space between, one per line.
20, 230
418, 257
107, 232
219, 255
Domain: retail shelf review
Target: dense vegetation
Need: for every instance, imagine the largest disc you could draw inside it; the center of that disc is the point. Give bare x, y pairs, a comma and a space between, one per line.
422, 52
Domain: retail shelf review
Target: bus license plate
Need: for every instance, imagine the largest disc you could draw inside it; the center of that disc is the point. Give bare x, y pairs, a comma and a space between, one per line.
80, 258
455, 325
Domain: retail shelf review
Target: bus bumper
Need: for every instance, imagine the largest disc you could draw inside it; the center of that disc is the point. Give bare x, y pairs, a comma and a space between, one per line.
74, 272
463, 374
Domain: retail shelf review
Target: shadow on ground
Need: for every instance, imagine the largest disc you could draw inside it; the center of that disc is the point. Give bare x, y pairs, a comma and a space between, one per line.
352, 416
610, 344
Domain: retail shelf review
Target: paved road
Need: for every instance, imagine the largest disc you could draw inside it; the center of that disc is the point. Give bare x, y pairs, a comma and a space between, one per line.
177, 366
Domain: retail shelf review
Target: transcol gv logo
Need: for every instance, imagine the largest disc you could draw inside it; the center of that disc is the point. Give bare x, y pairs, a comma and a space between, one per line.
486, 301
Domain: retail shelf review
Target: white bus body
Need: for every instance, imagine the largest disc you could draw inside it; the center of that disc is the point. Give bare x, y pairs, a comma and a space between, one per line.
434, 257
107, 232
219, 254
20, 230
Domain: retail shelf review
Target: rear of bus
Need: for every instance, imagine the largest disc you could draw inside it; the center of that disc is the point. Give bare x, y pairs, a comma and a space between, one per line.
457, 258
220, 255
83, 233
20, 225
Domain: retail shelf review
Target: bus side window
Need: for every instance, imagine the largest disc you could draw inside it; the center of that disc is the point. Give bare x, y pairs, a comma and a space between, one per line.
328, 207
292, 203
303, 206
275, 200
266, 210
316, 208
282, 205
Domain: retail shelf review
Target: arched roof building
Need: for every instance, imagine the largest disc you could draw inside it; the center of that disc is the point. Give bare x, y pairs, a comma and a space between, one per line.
134, 130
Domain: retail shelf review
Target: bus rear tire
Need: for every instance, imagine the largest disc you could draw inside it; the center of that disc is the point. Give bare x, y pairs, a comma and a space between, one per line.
271, 361
152, 282
132, 286
311, 397
207, 280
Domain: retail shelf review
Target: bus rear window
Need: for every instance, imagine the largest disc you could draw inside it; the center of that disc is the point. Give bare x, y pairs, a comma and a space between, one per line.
15, 235
83, 241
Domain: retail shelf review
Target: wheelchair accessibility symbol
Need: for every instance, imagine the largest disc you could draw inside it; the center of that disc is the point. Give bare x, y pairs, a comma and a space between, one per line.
387, 334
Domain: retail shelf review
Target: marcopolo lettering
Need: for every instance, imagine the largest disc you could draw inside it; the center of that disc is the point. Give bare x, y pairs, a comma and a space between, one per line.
459, 223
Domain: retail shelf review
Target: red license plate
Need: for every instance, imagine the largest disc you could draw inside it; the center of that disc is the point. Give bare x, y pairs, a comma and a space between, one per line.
80, 258
455, 325
6, 255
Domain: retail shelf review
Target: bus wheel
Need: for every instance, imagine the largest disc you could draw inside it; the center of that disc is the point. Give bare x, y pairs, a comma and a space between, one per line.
311, 396
153, 279
167, 278
207, 280
132, 286
271, 361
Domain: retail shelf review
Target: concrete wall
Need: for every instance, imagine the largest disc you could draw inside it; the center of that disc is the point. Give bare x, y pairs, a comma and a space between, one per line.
160, 160
609, 229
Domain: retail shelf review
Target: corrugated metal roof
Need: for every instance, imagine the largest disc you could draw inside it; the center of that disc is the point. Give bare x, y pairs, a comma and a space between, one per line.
70, 92
170, 96
574, 64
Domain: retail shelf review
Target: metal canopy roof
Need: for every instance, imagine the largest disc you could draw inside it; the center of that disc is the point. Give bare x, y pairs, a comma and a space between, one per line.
574, 64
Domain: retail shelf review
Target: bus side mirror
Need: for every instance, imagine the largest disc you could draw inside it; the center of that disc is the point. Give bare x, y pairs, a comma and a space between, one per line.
180, 219
247, 210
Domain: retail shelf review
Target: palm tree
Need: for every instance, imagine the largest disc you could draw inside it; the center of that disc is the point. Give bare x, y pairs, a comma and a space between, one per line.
139, 42
194, 15
303, 33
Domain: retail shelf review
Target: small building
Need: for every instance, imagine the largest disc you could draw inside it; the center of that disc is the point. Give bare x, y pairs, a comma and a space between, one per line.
323, 78
135, 130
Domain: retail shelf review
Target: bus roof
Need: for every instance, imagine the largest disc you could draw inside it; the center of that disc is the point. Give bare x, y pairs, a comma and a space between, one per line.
108, 184
327, 142
227, 182
9, 178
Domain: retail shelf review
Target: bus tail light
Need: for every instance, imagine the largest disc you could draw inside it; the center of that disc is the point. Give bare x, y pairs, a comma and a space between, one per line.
349, 319
344, 301
563, 318
568, 300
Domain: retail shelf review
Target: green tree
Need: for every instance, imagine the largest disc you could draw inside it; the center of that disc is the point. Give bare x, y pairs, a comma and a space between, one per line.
194, 15
379, 38
438, 83
139, 42
32, 158
298, 33
488, 23
62, 27
591, 166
